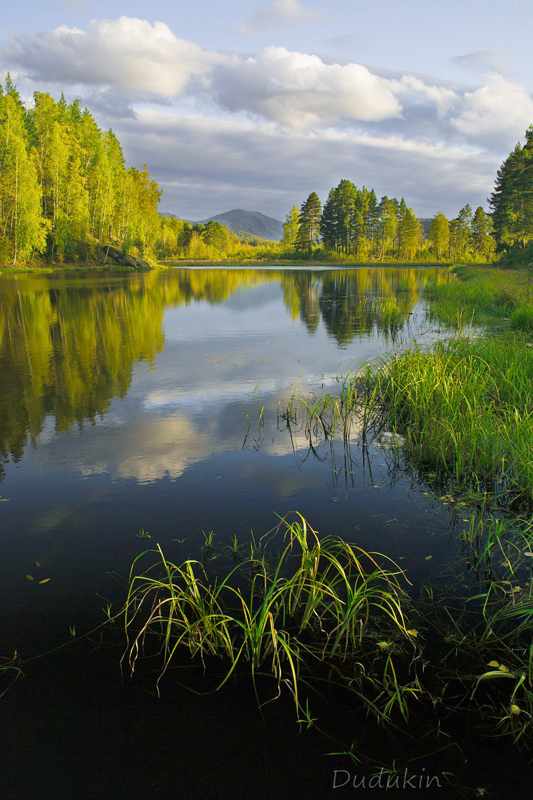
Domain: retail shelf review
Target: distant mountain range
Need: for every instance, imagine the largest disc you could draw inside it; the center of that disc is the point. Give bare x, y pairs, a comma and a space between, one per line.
238, 219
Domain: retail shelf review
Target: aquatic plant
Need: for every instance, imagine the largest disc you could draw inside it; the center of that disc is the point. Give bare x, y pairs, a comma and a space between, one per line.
320, 601
465, 406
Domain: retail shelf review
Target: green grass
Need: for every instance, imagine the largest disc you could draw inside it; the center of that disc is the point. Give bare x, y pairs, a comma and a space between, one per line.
321, 612
320, 601
522, 318
482, 295
465, 407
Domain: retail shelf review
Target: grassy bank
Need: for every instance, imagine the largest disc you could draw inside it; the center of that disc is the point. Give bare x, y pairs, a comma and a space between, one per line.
485, 296
465, 408
465, 405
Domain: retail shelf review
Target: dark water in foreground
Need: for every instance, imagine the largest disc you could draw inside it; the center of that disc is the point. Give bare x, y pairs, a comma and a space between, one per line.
149, 402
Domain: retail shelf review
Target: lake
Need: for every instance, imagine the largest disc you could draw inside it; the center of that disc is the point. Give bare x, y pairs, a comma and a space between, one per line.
143, 408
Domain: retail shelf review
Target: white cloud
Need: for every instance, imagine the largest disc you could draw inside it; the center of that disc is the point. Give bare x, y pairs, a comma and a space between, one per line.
498, 107
208, 166
126, 52
301, 91
443, 98
277, 14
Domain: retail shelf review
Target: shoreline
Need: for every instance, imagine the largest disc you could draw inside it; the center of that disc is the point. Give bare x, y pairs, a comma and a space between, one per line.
200, 264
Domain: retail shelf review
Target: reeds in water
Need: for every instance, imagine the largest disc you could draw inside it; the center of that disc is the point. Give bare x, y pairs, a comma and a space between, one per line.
465, 407
321, 601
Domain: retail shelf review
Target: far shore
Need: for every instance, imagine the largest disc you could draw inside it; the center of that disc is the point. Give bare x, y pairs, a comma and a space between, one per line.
98, 266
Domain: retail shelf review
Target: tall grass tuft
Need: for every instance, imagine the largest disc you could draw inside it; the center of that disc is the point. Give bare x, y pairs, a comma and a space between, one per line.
465, 407
321, 601
522, 318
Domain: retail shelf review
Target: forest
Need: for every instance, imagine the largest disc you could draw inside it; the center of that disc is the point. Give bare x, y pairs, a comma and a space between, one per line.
66, 194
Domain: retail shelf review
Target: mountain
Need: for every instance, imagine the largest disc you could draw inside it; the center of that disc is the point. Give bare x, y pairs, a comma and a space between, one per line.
426, 223
251, 222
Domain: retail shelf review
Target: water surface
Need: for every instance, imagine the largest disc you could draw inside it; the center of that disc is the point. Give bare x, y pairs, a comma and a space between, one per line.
149, 402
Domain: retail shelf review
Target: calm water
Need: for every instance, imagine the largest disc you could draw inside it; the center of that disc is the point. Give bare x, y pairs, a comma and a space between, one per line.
149, 401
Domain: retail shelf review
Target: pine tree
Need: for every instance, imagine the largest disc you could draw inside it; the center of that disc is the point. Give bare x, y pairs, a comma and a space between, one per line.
309, 224
512, 199
483, 242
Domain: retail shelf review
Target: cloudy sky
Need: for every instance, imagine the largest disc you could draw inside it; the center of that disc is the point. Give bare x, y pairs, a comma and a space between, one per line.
254, 104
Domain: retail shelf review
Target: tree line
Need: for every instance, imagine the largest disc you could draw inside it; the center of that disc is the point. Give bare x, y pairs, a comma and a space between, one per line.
65, 188
354, 225
65, 191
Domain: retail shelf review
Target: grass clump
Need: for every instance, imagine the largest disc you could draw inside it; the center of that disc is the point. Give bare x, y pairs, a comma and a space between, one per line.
465, 407
483, 295
522, 318
320, 604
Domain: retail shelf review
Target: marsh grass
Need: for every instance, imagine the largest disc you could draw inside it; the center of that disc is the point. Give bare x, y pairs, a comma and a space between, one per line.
320, 602
482, 294
483, 643
465, 407
522, 318
464, 410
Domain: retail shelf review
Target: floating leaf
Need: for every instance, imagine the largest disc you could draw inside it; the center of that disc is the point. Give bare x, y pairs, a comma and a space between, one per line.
30, 577
383, 645
529, 553
45, 580
515, 709
503, 668
493, 664
413, 633
428, 558
37, 563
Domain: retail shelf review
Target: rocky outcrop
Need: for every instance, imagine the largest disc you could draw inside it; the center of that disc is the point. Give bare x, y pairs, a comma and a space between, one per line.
116, 256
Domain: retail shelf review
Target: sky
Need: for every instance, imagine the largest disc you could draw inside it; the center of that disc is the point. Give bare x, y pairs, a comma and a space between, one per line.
252, 104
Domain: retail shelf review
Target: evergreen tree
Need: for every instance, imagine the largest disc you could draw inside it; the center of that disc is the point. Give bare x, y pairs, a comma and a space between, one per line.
309, 224
483, 242
461, 233
511, 201
409, 233
388, 225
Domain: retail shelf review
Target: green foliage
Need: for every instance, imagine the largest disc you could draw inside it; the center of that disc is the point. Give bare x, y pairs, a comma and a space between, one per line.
64, 186
465, 407
290, 228
439, 235
522, 318
512, 199
322, 600
354, 226
309, 224
480, 295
